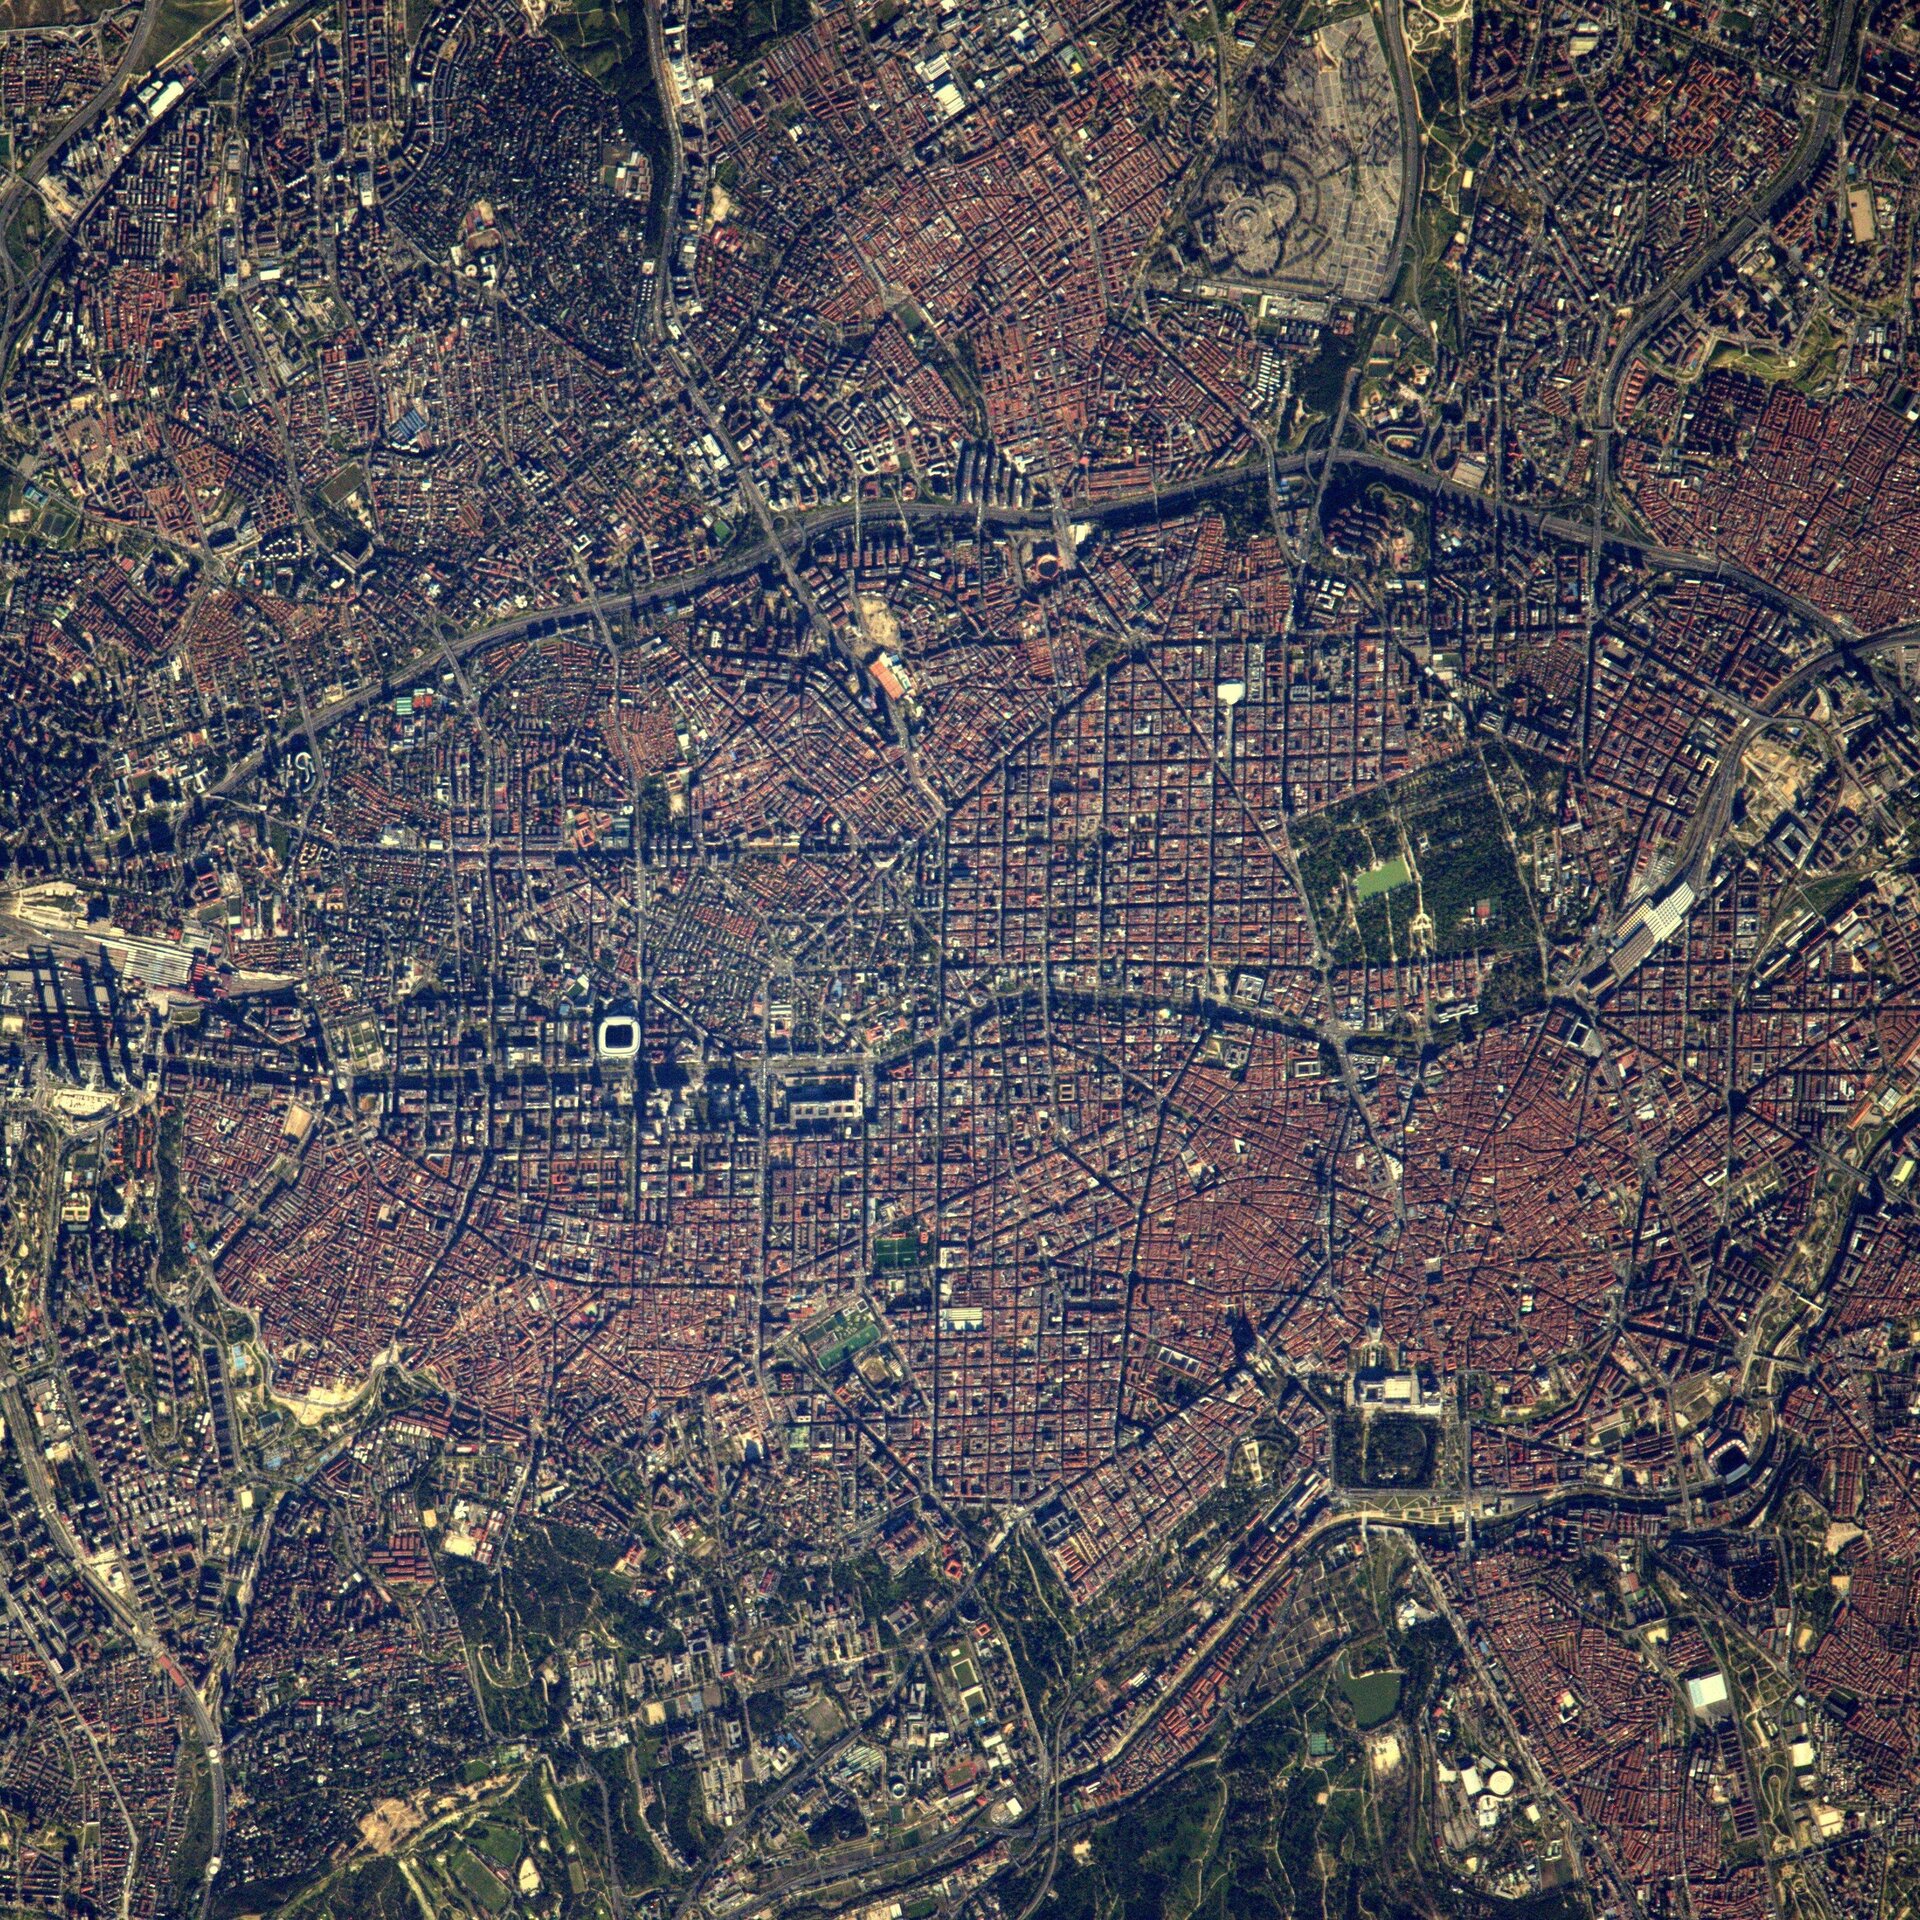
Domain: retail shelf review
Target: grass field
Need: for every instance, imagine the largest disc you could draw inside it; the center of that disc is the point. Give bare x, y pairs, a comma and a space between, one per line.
475, 1881
175, 24
1382, 879
1372, 1696
15, 14
1442, 823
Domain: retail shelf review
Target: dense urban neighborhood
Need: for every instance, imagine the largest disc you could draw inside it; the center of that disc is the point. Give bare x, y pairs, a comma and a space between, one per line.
960, 959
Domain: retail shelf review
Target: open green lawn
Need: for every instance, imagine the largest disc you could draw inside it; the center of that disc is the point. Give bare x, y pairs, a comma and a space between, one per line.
474, 1880
1382, 879
1373, 1696
497, 1843
1470, 897
175, 24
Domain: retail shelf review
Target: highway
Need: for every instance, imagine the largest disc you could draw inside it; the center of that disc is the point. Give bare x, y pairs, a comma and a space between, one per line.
670, 189
1412, 144
796, 529
783, 543
1702, 837
1563, 526
19, 1423
1677, 288
790, 528
1543, 1788
852, 1736
1668, 297
21, 298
